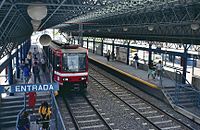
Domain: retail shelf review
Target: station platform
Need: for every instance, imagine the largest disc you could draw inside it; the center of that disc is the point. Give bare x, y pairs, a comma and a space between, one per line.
164, 89
12, 105
138, 73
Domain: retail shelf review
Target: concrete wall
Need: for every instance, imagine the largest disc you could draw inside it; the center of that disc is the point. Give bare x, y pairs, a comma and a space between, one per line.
196, 82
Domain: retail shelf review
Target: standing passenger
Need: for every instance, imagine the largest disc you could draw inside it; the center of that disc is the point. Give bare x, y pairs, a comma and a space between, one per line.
26, 73
108, 55
36, 72
43, 64
24, 123
29, 58
45, 113
35, 53
136, 60
151, 70
31, 100
159, 68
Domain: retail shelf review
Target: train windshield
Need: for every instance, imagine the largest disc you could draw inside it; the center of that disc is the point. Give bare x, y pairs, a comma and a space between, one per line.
74, 62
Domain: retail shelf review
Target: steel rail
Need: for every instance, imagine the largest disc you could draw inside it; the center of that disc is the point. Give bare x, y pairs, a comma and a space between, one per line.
71, 113
104, 121
145, 118
178, 121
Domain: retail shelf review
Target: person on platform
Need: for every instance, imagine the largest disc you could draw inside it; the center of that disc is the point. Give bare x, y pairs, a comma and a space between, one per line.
108, 55
24, 123
35, 53
26, 73
159, 68
43, 62
32, 100
45, 113
22, 68
151, 70
36, 72
136, 58
29, 59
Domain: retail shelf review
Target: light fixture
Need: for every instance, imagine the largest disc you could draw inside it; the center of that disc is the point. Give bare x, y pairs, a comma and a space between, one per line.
97, 30
45, 39
125, 29
150, 27
194, 26
37, 11
109, 30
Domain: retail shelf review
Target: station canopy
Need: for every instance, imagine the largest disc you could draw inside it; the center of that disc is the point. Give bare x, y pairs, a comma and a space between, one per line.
155, 20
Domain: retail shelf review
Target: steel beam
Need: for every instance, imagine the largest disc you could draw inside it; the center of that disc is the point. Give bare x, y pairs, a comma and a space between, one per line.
51, 15
6, 16
7, 25
2, 3
65, 5
11, 28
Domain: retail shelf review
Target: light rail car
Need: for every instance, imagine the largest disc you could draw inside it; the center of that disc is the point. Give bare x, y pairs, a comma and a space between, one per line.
68, 64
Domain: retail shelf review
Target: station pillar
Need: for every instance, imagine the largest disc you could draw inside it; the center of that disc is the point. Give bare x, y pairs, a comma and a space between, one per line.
113, 49
150, 52
93, 45
102, 47
21, 53
128, 52
24, 50
87, 42
184, 62
10, 73
17, 64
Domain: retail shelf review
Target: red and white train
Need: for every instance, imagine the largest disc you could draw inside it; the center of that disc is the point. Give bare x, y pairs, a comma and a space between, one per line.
69, 64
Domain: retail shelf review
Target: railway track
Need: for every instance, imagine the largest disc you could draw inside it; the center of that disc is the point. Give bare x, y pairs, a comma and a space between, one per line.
148, 111
84, 116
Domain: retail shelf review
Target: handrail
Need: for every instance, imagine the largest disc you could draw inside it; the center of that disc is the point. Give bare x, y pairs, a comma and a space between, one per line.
21, 111
57, 109
173, 101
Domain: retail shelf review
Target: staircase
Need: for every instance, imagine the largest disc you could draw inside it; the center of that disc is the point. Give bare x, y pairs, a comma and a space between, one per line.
180, 97
10, 107
184, 98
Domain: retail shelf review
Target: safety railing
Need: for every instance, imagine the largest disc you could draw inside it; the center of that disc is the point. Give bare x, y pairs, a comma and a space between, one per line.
172, 80
195, 99
186, 88
21, 112
56, 115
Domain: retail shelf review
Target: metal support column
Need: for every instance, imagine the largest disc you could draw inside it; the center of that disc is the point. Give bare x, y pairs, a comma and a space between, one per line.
17, 64
87, 42
10, 72
24, 50
128, 51
21, 53
102, 47
150, 52
185, 56
113, 49
81, 34
93, 46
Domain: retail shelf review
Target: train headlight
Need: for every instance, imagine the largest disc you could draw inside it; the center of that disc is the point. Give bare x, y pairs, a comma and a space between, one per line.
65, 79
83, 78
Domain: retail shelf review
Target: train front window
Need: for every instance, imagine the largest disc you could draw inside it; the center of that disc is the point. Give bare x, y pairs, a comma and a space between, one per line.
74, 62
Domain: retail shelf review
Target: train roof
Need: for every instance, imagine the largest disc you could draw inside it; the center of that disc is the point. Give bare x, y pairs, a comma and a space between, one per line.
67, 48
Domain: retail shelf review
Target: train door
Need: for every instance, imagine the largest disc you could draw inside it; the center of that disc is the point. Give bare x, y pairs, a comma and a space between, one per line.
56, 66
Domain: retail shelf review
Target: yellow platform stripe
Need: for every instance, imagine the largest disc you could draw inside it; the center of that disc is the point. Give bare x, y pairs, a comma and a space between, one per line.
129, 75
